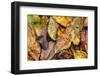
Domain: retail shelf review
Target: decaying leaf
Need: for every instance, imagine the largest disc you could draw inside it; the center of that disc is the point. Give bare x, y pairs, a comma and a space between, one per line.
62, 44
79, 54
43, 38
78, 22
63, 40
76, 36
30, 19
44, 20
62, 20
33, 45
86, 22
45, 54
40, 26
77, 25
38, 23
52, 29
66, 54
35, 21
84, 40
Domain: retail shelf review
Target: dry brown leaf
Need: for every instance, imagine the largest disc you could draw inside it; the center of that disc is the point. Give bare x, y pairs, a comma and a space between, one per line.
33, 45
45, 54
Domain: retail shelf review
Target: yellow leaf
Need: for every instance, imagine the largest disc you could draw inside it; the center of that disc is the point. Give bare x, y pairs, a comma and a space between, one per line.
79, 54
62, 20
76, 37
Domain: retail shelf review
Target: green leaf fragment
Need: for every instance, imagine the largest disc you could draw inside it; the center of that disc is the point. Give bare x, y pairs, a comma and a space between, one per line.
52, 29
